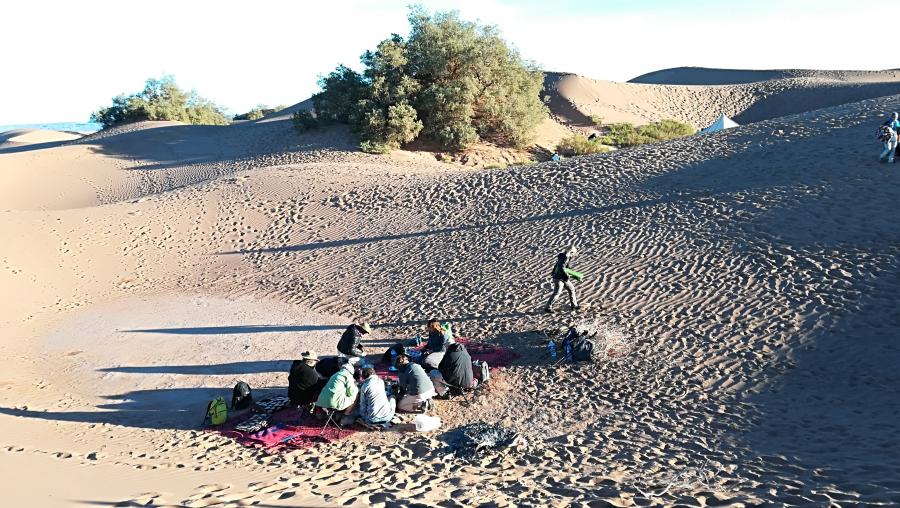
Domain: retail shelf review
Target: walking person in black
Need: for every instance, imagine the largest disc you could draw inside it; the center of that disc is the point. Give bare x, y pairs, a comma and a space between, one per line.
562, 279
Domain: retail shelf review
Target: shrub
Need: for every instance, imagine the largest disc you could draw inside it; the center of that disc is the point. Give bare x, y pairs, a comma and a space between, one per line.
258, 112
304, 120
161, 99
597, 120
577, 144
452, 81
625, 134
666, 130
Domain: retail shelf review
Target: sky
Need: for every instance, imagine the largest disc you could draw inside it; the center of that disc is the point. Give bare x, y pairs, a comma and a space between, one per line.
63, 59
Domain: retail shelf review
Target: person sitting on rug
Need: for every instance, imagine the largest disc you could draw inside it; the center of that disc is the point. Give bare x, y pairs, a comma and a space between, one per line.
340, 392
304, 383
454, 374
351, 341
375, 407
415, 386
438, 337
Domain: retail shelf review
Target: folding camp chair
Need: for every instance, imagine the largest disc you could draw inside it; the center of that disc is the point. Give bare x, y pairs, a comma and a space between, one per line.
330, 419
466, 394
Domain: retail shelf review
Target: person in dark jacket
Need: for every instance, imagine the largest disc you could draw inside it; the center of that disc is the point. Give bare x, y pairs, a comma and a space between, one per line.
304, 383
562, 279
415, 385
351, 341
455, 372
328, 365
438, 337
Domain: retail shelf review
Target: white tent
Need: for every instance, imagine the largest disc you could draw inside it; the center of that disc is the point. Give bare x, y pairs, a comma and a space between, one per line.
721, 123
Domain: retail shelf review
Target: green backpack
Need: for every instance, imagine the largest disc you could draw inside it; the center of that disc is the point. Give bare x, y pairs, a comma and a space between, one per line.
217, 411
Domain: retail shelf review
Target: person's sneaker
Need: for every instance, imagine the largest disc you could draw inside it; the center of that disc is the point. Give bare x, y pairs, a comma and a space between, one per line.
548, 310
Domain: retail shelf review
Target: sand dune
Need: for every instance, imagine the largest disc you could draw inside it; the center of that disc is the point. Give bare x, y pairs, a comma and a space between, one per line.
765, 95
707, 76
29, 136
754, 272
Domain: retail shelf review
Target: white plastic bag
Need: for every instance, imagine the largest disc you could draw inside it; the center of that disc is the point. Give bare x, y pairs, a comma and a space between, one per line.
425, 423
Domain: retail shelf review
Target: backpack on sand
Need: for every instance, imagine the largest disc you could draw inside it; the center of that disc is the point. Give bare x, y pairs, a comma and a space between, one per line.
241, 396
481, 370
581, 347
217, 411
885, 133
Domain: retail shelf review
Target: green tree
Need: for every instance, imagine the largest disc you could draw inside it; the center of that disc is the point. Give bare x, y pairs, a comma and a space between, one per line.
161, 99
452, 81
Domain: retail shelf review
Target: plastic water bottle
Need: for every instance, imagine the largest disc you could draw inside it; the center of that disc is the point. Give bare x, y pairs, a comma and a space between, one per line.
569, 355
552, 346
393, 366
418, 340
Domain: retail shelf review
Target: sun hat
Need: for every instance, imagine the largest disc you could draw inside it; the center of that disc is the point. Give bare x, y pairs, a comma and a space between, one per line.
309, 355
366, 327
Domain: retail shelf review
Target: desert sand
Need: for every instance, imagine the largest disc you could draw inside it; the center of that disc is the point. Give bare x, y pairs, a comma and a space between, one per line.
752, 272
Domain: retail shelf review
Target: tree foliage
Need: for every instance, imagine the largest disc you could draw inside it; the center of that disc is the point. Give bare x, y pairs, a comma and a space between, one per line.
161, 99
451, 81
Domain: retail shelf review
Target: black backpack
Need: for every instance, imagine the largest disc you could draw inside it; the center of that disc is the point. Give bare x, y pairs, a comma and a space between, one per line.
582, 347
398, 348
241, 397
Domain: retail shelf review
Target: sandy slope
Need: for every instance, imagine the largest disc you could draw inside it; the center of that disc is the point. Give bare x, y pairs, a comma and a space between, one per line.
755, 271
707, 76
756, 96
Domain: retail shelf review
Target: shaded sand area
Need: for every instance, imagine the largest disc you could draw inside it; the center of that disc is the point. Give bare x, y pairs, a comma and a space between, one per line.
755, 271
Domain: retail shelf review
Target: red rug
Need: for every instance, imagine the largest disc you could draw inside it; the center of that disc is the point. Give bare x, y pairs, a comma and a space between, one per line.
292, 428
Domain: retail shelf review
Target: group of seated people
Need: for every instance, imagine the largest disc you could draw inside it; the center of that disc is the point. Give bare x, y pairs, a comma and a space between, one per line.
348, 383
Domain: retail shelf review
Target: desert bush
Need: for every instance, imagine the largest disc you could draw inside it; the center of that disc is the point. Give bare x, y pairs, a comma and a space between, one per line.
450, 80
304, 120
258, 112
625, 134
577, 144
597, 120
161, 99
666, 130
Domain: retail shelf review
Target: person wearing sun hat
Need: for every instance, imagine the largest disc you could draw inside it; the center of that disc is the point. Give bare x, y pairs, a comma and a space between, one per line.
351, 341
304, 383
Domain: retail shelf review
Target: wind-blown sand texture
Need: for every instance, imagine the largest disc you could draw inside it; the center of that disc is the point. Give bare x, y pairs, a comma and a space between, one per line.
150, 267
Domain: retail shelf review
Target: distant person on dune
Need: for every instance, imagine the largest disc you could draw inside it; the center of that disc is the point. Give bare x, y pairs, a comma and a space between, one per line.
894, 123
887, 134
351, 341
562, 278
